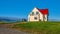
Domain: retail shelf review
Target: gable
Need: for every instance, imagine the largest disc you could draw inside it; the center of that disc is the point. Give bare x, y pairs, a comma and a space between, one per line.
34, 10
41, 11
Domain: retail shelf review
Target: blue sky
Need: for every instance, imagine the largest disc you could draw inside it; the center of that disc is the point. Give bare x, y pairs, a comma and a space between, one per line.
21, 8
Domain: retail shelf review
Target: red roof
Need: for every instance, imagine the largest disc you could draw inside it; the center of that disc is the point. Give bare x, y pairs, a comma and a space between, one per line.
43, 11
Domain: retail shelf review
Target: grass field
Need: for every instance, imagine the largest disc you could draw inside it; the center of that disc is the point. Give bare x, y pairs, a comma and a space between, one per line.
39, 27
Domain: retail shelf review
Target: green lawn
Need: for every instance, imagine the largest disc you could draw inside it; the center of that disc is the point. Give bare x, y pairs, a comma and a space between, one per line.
40, 27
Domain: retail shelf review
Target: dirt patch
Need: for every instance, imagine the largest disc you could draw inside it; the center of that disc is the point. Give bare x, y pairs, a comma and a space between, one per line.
5, 25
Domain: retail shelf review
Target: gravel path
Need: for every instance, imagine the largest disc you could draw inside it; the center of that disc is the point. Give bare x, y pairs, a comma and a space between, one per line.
4, 30
8, 31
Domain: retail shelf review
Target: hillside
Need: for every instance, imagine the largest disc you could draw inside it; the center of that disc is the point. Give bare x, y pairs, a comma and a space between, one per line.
39, 27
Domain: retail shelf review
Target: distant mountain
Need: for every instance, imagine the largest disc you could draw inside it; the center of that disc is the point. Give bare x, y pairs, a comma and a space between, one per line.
9, 19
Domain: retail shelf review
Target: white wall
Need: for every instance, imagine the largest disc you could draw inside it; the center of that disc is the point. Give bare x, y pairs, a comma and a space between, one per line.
46, 18
31, 18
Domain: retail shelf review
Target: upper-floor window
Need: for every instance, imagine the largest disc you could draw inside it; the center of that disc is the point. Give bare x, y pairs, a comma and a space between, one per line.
32, 13
37, 12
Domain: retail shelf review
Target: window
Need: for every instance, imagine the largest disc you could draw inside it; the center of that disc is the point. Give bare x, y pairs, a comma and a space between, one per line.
37, 12
44, 17
35, 18
32, 13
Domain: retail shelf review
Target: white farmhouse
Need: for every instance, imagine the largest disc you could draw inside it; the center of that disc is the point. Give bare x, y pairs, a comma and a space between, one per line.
38, 15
